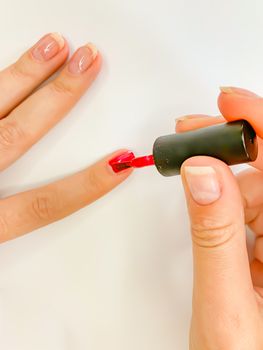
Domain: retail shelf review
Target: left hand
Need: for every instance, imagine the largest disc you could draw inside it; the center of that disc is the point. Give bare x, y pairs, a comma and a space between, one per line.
27, 114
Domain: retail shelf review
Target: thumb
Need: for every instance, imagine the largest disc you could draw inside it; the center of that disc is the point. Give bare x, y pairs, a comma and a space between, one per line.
222, 281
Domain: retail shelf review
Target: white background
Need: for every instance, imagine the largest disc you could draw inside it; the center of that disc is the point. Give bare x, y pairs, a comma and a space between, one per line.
117, 275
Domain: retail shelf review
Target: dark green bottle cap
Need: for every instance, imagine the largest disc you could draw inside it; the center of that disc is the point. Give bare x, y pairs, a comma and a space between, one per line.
233, 143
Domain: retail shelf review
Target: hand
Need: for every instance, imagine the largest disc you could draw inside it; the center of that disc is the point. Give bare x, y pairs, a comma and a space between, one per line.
228, 291
26, 117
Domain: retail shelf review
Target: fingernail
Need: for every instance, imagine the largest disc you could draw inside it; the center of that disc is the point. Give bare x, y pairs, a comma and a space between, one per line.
82, 59
203, 184
190, 117
48, 47
121, 162
183, 118
226, 89
238, 91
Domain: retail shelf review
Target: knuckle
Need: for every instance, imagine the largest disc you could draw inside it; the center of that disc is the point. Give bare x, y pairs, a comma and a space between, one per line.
10, 134
94, 182
62, 88
45, 206
21, 70
209, 233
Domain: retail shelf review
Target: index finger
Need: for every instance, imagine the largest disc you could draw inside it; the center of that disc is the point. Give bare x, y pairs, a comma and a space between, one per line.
236, 103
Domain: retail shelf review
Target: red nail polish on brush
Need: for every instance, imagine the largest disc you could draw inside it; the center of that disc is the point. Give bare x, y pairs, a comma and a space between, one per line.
233, 143
127, 160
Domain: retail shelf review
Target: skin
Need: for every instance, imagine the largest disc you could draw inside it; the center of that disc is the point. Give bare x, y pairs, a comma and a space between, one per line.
228, 290
26, 115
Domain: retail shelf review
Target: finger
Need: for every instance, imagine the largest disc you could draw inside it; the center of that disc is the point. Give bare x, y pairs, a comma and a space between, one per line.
196, 121
251, 186
27, 123
236, 103
30, 210
32, 68
258, 251
257, 272
222, 280
258, 163
193, 122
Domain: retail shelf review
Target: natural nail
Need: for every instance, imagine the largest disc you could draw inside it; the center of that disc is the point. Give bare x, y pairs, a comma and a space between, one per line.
226, 89
238, 91
189, 117
203, 184
48, 47
183, 118
196, 117
82, 59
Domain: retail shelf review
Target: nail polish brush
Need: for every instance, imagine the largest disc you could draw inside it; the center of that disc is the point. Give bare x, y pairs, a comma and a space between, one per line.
233, 142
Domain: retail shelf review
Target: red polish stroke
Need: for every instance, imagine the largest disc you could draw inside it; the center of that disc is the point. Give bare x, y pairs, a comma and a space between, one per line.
128, 160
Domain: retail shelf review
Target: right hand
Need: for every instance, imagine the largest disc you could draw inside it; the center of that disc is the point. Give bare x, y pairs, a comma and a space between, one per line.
228, 291
26, 115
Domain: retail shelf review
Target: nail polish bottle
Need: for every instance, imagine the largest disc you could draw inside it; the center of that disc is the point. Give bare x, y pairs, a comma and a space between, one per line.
233, 143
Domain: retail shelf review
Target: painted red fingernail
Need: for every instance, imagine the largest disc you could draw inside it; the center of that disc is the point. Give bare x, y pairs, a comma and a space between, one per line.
122, 161
127, 160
